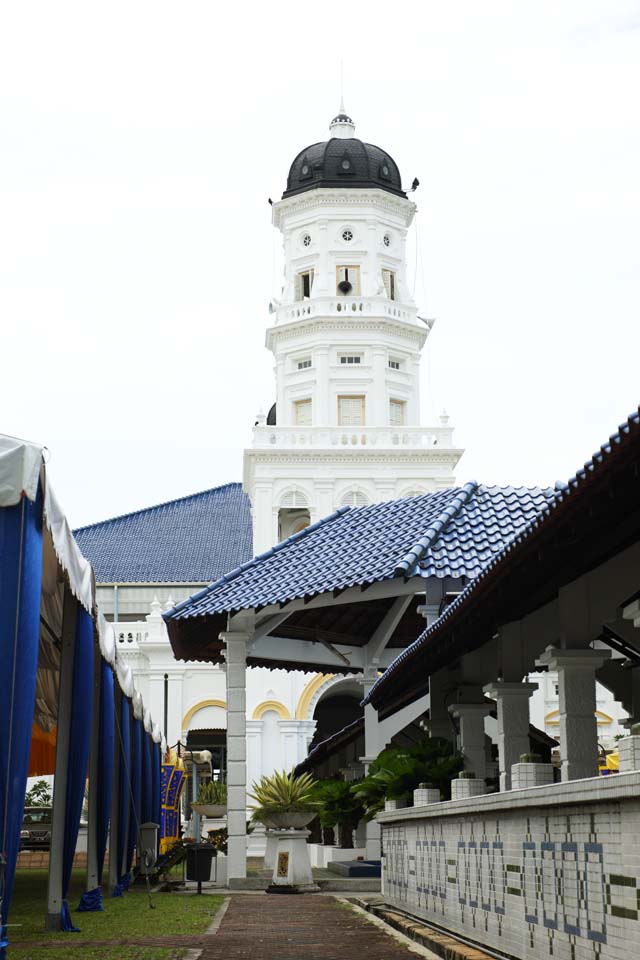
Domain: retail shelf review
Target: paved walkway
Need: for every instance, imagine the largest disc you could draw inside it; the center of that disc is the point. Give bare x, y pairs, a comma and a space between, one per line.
269, 927
313, 927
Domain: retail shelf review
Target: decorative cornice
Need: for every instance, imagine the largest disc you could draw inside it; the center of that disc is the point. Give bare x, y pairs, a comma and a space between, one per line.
304, 327
385, 455
327, 196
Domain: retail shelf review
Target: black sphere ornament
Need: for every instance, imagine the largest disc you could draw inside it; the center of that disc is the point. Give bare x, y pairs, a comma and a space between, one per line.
344, 286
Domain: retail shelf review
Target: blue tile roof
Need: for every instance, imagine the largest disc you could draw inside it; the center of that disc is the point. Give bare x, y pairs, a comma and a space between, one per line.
627, 434
452, 533
190, 540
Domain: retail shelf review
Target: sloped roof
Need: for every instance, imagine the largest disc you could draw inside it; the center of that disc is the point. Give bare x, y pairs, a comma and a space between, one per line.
190, 540
591, 517
452, 533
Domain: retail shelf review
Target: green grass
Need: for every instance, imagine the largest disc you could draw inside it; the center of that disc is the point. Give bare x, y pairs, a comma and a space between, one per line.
127, 916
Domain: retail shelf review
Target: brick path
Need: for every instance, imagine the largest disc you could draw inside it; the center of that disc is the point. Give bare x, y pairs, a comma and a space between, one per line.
280, 927
271, 927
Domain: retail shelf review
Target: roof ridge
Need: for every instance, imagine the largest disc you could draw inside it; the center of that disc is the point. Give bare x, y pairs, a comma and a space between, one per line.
233, 574
417, 552
155, 506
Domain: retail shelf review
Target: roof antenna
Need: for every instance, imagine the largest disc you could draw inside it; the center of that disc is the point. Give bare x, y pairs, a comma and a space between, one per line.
342, 110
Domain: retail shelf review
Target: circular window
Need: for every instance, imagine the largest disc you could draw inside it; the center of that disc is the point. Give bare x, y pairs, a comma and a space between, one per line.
385, 170
386, 240
345, 164
347, 236
306, 240
305, 169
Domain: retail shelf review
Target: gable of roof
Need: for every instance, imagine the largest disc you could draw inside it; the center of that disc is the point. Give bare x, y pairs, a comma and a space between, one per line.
190, 540
451, 533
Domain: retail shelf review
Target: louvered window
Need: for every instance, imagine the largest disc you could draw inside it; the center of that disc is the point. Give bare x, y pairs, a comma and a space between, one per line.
304, 285
351, 411
396, 412
294, 498
302, 413
355, 498
389, 280
350, 358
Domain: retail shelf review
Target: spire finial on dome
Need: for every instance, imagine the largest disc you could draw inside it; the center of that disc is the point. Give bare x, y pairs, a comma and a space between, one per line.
342, 126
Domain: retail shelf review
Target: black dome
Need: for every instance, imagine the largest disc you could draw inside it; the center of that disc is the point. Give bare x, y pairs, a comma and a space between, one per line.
343, 162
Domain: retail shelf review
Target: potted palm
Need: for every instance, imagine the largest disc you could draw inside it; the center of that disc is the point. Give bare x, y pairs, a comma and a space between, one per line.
212, 799
284, 801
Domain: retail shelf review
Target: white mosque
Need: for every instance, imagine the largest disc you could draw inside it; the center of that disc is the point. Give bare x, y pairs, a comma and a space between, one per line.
344, 430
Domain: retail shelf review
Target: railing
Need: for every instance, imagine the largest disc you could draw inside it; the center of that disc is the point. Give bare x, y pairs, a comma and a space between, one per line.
346, 307
420, 438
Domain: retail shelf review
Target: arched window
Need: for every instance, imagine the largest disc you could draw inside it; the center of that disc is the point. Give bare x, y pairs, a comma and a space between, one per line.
294, 498
416, 492
355, 498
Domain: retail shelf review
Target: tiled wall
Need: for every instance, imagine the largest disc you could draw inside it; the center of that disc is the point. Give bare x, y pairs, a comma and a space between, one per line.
561, 882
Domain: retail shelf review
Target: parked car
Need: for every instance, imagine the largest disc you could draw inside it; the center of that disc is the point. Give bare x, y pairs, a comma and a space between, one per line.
36, 828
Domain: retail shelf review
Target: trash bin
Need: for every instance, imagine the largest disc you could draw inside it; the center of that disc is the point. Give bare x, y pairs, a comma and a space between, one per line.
199, 857
148, 848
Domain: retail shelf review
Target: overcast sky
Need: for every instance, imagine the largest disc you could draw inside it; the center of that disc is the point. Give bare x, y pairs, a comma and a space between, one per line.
139, 143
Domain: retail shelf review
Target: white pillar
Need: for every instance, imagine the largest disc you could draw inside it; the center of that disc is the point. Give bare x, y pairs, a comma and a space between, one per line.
513, 723
577, 693
372, 747
254, 750
236, 672
470, 717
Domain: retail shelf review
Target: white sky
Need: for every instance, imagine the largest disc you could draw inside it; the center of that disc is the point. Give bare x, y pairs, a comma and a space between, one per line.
139, 145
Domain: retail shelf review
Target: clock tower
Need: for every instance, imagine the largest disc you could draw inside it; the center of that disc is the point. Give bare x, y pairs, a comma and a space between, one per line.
345, 428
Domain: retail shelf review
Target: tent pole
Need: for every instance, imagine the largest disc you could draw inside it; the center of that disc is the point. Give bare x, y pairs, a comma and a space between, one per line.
53, 919
92, 831
116, 813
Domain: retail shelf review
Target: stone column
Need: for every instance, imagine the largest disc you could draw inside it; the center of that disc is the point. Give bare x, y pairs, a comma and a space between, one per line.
470, 717
576, 671
236, 660
379, 412
439, 723
513, 723
372, 747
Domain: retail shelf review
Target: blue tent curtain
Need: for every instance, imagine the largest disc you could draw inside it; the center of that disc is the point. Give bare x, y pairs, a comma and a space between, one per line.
79, 740
147, 783
136, 791
157, 801
124, 734
92, 899
20, 587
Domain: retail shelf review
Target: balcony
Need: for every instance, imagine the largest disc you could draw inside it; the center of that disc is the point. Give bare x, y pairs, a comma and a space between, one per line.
325, 438
345, 307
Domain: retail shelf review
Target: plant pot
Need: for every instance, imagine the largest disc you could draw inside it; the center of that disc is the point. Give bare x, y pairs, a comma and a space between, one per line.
290, 819
213, 810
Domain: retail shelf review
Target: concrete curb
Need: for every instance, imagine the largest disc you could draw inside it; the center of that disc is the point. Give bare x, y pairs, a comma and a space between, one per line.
442, 944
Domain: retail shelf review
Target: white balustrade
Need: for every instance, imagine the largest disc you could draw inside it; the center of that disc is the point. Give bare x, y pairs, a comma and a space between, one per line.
326, 437
345, 306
